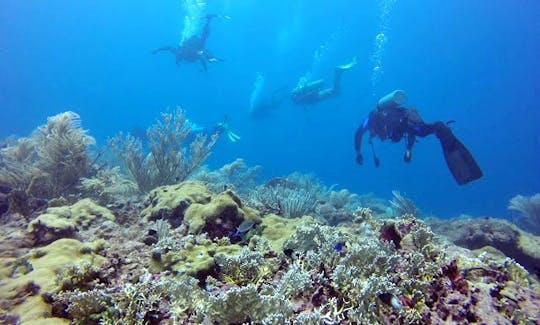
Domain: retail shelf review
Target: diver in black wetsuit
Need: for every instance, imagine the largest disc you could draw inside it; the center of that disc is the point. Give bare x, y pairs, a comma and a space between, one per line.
312, 93
193, 49
392, 121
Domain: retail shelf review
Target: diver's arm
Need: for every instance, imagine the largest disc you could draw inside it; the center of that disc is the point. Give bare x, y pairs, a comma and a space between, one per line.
411, 139
358, 141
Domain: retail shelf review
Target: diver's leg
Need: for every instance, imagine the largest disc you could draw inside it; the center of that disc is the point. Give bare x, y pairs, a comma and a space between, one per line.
338, 71
203, 63
422, 129
327, 93
337, 81
206, 28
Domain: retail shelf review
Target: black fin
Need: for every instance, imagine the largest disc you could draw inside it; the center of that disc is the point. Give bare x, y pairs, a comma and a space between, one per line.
460, 161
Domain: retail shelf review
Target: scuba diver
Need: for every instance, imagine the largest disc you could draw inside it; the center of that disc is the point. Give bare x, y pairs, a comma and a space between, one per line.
219, 129
193, 49
264, 106
392, 121
313, 92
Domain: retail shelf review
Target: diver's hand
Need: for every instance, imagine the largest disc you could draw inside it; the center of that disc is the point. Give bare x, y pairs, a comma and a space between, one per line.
359, 159
376, 161
407, 157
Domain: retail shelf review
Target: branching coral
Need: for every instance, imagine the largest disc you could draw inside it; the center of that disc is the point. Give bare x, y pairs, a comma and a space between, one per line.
148, 301
51, 162
529, 209
247, 303
235, 175
318, 242
246, 267
169, 160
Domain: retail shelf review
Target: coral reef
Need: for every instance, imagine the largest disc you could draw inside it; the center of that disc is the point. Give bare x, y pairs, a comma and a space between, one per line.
192, 204
474, 233
21, 291
529, 212
169, 160
65, 221
51, 162
236, 176
108, 186
402, 205
170, 202
292, 196
222, 250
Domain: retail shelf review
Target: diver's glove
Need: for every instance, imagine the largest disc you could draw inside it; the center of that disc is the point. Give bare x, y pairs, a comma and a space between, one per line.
408, 155
359, 159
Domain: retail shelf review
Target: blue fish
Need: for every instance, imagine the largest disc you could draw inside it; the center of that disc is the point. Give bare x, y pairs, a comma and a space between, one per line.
339, 247
243, 228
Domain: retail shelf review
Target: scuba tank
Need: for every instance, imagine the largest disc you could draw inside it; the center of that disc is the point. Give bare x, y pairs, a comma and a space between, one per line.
393, 99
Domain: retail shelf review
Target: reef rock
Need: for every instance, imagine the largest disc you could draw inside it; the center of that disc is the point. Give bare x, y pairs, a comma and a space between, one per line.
170, 202
500, 234
192, 204
26, 278
63, 222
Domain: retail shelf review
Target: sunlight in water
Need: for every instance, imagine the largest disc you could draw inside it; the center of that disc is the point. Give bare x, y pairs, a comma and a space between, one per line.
195, 11
381, 39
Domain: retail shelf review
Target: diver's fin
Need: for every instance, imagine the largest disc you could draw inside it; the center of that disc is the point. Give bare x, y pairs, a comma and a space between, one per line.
347, 66
460, 161
233, 137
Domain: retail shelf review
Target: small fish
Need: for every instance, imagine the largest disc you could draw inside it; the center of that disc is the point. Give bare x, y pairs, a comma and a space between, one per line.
339, 247
243, 228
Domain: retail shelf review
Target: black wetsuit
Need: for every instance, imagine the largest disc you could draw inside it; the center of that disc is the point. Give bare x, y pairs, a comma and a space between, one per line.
396, 122
193, 49
313, 92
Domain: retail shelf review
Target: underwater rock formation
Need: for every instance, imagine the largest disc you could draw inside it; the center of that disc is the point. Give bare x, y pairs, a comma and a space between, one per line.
65, 221
192, 256
192, 204
475, 233
27, 278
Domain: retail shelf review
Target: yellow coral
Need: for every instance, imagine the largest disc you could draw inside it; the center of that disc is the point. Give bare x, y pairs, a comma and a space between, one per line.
277, 229
80, 214
197, 214
46, 262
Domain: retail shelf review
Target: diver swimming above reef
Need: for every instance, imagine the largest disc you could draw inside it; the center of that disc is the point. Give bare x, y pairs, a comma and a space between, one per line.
265, 106
193, 49
392, 121
313, 92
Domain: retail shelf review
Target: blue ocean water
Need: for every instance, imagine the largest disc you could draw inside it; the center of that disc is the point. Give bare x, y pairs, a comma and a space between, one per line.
475, 62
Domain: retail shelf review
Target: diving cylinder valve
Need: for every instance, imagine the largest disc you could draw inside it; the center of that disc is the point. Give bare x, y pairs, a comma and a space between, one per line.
395, 98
